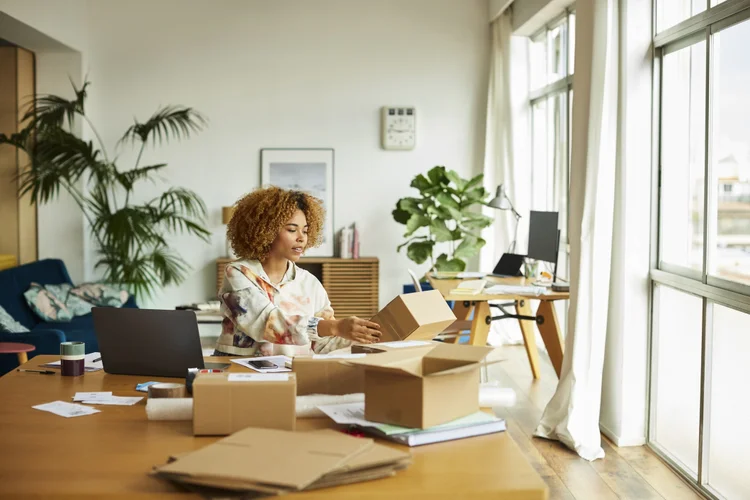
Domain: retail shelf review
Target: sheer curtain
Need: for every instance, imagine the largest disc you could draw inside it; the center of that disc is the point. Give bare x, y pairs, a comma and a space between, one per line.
572, 416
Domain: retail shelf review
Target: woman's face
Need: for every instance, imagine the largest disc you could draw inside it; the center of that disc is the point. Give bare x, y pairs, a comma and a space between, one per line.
292, 239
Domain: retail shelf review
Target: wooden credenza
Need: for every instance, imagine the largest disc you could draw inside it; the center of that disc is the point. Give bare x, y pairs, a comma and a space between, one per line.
352, 284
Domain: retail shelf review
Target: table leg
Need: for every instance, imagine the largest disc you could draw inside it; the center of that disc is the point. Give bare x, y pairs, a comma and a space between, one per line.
550, 331
22, 357
479, 327
461, 309
527, 329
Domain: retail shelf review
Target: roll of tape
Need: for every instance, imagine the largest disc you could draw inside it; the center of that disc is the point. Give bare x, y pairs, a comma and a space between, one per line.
167, 390
170, 409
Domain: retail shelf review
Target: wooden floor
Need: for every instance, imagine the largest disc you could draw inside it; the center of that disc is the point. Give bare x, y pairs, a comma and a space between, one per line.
631, 472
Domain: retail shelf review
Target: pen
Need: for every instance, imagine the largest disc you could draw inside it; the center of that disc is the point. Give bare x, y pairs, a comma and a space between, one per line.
97, 359
45, 372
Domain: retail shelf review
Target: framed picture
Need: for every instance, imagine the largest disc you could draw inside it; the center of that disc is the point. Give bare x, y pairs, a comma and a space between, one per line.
308, 170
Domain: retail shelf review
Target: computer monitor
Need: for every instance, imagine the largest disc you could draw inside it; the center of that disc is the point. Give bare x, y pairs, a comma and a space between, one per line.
543, 236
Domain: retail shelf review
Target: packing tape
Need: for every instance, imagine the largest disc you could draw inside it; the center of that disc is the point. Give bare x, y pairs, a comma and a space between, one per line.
166, 390
169, 409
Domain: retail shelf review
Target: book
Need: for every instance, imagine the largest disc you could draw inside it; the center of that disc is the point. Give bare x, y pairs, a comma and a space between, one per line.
476, 424
470, 287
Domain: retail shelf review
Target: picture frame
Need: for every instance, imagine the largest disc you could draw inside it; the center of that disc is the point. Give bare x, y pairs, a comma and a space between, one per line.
304, 169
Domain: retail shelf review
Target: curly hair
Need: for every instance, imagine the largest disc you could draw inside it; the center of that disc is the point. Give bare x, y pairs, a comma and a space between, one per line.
260, 215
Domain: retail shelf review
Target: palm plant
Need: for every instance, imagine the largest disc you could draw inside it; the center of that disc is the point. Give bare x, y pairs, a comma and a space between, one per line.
130, 237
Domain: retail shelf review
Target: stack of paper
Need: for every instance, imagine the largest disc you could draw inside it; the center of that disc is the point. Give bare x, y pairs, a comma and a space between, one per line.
66, 410
515, 290
477, 424
249, 461
91, 363
279, 363
470, 287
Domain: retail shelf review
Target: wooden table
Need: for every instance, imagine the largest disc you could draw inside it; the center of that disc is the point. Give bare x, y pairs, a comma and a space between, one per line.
18, 349
545, 317
109, 454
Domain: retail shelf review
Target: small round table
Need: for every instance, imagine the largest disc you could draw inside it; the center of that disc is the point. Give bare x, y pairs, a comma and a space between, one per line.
18, 349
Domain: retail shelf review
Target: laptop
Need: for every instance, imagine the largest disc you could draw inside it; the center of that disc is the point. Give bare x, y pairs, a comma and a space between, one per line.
509, 265
158, 343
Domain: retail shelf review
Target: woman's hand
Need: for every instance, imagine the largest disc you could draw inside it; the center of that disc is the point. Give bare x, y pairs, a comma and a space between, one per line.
356, 329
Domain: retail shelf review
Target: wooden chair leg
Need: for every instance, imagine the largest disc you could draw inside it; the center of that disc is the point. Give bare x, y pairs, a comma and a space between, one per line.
550, 331
22, 357
479, 327
529, 341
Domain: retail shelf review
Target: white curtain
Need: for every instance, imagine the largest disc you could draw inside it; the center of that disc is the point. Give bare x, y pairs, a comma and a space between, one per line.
572, 416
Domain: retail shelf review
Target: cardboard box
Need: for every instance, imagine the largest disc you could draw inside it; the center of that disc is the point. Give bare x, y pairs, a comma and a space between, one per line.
326, 375
224, 403
414, 316
390, 346
424, 386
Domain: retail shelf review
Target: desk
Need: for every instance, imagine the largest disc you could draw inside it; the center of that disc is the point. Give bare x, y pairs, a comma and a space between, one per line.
115, 450
546, 317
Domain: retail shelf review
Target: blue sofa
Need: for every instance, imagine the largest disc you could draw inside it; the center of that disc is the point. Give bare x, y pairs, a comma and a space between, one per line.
46, 336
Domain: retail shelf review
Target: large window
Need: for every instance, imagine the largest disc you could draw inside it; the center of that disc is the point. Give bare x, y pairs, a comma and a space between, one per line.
551, 78
701, 283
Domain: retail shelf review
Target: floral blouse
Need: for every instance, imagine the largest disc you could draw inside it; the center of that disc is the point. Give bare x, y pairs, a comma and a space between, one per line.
258, 314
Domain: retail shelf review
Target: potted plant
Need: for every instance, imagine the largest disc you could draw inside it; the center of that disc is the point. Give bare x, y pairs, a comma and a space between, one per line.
130, 237
444, 212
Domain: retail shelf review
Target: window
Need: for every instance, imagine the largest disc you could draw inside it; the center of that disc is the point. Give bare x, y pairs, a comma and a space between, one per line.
701, 283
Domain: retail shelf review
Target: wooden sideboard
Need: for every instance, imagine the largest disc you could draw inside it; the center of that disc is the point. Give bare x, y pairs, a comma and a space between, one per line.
352, 284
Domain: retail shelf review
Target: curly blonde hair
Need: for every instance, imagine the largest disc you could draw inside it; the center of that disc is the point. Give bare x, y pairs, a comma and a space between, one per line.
260, 215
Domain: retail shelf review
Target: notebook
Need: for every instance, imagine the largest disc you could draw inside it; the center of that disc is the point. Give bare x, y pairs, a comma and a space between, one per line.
470, 287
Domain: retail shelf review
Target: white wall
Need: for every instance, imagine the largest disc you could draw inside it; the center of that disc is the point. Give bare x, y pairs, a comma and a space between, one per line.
294, 74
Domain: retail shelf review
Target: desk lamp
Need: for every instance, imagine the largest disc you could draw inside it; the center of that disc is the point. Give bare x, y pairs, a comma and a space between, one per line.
502, 202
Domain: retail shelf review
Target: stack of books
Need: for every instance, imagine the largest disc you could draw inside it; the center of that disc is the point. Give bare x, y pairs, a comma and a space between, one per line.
353, 414
470, 287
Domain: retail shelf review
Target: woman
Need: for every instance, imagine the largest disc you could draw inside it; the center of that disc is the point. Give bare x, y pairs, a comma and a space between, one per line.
266, 299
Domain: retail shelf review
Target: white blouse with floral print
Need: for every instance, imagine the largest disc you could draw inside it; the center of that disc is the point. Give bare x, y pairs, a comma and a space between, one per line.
258, 314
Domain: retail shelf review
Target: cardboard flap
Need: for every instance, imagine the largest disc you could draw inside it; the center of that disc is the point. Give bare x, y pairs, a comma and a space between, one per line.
465, 353
451, 371
407, 362
253, 455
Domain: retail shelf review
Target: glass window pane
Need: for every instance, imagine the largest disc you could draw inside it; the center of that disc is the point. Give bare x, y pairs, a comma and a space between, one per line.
714, 3
559, 159
538, 62
671, 12
676, 378
556, 54
539, 156
683, 140
571, 42
728, 464
730, 155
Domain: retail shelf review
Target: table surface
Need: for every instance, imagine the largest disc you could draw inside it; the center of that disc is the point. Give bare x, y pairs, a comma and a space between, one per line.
446, 286
109, 454
14, 347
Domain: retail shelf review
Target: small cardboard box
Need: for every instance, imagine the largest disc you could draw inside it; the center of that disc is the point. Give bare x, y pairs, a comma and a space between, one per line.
224, 403
414, 316
321, 374
390, 346
423, 386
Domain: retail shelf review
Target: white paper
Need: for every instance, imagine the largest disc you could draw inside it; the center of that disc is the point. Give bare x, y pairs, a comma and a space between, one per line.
66, 410
90, 396
470, 274
348, 413
258, 377
279, 361
338, 356
405, 343
89, 364
114, 400
514, 290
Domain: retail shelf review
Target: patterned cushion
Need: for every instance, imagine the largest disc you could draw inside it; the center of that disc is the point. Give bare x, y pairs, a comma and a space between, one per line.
46, 305
9, 325
75, 304
101, 295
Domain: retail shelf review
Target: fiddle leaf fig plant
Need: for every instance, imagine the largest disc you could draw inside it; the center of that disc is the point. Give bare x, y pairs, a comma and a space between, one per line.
444, 212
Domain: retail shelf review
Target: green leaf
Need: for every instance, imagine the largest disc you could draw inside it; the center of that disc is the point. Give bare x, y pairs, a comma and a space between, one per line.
420, 251
415, 238
476, 195
127, 179
440, 212
420, 182
469, 247
401, 216
443, 264
50, 111
176, 122
456, 179
475, 220
410, 205
441, 231
415, 222
474, 181
437, 175
447, 201
454, 213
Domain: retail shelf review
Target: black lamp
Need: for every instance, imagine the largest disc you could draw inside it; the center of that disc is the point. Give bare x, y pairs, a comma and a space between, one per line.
502, 202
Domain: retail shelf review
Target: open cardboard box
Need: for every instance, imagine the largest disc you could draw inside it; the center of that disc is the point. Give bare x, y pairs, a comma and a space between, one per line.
423, 386
326, 375
414, 316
